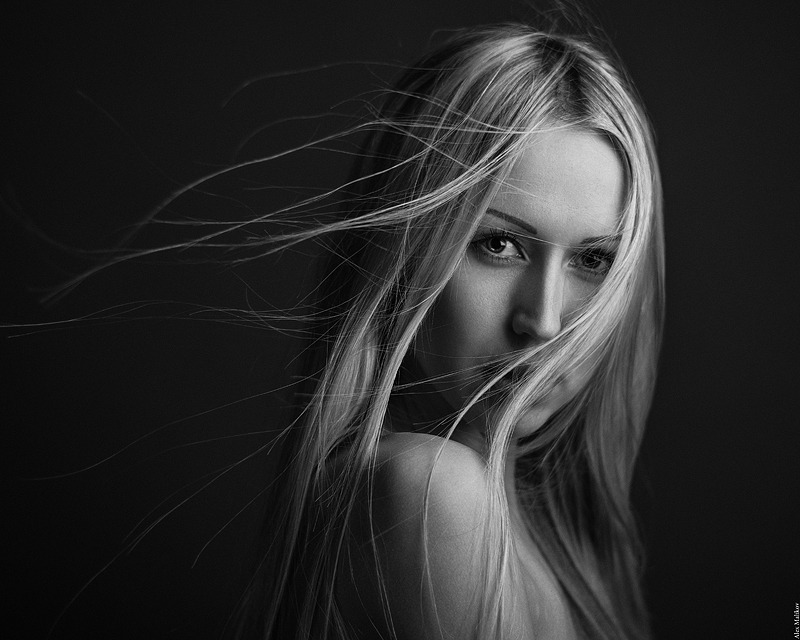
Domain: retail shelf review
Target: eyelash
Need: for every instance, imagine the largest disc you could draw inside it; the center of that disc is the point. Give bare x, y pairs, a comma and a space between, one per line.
595, 254
497, 234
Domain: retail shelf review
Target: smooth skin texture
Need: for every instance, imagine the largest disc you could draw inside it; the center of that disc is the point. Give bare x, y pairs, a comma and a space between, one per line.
437, 598
542, 248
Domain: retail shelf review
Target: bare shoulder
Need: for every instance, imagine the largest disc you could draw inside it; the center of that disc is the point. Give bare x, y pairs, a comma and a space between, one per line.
414, 468
420, 528
419, 552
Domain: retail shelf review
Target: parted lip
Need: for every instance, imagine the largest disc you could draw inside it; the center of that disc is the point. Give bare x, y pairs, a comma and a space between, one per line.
517, 373
514, 376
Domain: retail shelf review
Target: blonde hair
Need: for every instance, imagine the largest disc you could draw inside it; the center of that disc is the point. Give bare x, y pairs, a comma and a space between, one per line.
445, 138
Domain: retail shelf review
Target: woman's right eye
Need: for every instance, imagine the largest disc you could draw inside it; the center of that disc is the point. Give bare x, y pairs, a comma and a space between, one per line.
498, 245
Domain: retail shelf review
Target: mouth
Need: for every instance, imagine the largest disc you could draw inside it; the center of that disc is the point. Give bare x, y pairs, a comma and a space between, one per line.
517, 375
510, 378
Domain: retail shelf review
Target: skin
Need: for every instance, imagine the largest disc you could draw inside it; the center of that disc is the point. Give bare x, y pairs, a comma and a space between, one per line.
541, 250
533, 262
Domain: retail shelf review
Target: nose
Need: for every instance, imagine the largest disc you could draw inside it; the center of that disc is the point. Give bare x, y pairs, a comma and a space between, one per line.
539, 307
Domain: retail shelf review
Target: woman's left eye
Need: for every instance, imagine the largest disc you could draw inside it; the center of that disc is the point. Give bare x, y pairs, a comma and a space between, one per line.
595, 263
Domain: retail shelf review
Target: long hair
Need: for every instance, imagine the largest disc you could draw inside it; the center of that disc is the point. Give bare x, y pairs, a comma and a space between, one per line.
441, 144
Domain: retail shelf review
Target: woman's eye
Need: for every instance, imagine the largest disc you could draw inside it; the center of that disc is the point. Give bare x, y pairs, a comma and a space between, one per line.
596, 263
499, 246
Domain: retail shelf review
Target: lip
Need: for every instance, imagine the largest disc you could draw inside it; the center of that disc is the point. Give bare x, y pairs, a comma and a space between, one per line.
518, 374
512, 377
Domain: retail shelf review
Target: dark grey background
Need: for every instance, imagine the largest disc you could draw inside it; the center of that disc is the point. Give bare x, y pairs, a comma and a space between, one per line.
107, 109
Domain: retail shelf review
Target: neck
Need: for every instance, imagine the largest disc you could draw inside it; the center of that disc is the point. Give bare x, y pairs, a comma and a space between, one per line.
417, 406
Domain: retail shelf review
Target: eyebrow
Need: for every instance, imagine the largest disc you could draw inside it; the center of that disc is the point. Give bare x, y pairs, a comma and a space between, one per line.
593, 241
513, 220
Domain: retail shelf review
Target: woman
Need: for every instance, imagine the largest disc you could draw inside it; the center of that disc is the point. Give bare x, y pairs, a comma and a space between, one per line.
484, 360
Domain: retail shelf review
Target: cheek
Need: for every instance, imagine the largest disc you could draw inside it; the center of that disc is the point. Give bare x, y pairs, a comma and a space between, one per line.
577, 294
466, 322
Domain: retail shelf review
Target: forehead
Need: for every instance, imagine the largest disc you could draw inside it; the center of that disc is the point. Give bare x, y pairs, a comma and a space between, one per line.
568, 184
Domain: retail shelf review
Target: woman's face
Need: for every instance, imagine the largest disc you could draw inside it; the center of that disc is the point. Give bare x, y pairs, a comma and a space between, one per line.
542, 248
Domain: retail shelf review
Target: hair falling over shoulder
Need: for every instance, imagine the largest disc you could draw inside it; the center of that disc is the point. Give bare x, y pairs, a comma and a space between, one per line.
441, 141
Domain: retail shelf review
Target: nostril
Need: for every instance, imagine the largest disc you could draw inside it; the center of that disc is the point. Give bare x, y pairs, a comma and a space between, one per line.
540, 326
540, 301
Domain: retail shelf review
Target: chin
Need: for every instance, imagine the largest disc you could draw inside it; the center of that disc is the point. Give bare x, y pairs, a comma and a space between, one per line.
530, 421
533, 420
484, 415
